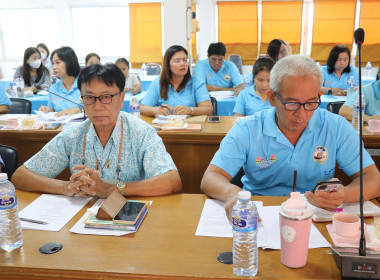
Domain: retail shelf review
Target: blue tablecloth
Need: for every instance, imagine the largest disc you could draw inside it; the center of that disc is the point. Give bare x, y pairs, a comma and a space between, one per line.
38, 101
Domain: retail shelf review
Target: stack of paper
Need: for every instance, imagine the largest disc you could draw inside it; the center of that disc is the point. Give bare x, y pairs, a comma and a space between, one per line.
222, 94
51, 116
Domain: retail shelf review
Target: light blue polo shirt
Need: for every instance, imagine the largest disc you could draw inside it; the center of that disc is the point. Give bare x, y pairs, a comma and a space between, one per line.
332, 80
248, 102
269, 159
4, 99
194, 92
371, 94
59, 104
227, 76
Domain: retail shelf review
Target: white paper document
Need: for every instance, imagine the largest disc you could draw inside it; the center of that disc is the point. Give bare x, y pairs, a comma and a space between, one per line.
55, 210
213, 222
221, 94
51, 116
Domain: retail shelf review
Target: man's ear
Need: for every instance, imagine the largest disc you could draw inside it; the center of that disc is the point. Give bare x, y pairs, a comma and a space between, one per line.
271, 96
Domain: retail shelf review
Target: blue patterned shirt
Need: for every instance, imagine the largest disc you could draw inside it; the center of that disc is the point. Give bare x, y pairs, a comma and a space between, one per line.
143, 152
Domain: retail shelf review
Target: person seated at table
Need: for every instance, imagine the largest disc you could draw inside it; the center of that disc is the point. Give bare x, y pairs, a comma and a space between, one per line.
371, 95
254, 98
111, 150
338, 70
294, 135
217, 73
132, 82
4, 100
44, 51
33, 72
176, 91
92, 58
278, 49
66, 67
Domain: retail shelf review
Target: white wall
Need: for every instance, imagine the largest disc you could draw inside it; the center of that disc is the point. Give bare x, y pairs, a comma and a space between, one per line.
175, 23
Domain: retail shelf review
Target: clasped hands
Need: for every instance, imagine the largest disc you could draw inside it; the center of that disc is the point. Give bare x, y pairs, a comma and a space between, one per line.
167, 110
86, 182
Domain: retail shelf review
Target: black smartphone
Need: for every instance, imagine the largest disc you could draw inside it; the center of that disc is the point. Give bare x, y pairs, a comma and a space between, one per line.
327, 186
130, 212
213, 119
52, 126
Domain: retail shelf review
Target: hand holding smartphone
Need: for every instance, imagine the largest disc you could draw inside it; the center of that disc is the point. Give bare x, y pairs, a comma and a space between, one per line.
327, 186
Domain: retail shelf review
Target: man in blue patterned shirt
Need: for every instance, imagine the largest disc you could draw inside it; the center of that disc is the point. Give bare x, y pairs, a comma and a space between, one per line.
110, 150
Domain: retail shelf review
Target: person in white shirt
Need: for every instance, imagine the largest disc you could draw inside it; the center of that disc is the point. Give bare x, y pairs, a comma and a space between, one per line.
132, 82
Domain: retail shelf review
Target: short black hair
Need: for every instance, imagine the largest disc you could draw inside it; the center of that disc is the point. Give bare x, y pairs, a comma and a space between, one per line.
333, 57
109, 73
216, 48
261, 64
274, 47
68, 56
122, 60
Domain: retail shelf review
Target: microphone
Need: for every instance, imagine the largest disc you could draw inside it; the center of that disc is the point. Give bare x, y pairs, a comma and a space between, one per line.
350, 263
78, 104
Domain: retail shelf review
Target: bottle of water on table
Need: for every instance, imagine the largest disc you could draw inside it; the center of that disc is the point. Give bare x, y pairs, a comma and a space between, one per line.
10, 227
134, 107
143, 71
355, 114
368, 67
247, 81
351, 86
244, 226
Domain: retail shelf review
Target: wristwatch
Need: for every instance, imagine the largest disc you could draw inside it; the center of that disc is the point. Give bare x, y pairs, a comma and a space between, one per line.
192, 110
121, 186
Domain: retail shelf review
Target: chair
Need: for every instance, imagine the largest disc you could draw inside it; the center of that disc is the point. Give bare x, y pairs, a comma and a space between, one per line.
153, 69
20, 106
10, 159
334, 107
236, 59
214, 103
237, 179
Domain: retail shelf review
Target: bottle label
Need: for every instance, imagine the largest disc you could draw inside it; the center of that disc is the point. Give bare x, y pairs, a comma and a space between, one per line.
242, 225
7, 202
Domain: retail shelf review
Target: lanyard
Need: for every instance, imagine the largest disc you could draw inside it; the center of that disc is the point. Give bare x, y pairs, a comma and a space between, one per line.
118, 171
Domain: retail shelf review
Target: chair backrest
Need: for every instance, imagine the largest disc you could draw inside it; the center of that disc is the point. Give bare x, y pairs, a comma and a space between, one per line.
334, 107
20, 106
236, 59
214, 103
153, 69
10, 159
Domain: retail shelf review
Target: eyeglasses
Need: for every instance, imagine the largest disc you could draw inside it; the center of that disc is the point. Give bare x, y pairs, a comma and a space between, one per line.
177, 61
216, 59
294, 106
104, 99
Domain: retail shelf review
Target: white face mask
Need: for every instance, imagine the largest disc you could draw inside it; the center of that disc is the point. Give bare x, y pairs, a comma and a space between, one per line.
43, 56
35, 64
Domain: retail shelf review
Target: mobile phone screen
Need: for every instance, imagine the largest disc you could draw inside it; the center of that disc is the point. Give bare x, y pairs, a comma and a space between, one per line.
328, 186
130, 211
213, 119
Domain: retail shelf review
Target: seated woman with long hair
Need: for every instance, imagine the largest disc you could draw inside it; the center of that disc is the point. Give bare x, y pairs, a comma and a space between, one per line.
34, 73
278, 49
176, 91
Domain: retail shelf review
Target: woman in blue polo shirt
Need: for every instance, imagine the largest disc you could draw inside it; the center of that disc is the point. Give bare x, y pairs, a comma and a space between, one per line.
176, 91
338, 70
66, 67
254, 98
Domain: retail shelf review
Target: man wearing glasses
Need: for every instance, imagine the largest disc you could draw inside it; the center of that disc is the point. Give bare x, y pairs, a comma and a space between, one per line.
217, 73
110, 150
294, 135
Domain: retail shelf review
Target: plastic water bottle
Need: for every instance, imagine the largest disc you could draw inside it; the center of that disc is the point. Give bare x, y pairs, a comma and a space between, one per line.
12, 89
355, 114
134, 107
351, 86
10, 227
143, 71
368, 67
244, 225
247, 81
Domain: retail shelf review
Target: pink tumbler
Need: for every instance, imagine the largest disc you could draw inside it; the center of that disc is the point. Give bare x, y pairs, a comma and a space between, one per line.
295, 223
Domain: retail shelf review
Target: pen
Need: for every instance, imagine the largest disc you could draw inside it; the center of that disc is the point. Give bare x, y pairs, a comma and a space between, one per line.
163, 106
33, 221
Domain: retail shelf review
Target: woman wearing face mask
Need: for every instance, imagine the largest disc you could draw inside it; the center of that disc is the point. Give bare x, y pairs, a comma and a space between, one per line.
44, 51
34, 73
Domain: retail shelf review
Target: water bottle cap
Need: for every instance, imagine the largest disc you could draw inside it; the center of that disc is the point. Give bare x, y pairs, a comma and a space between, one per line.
244, 195
3, 176
295, 208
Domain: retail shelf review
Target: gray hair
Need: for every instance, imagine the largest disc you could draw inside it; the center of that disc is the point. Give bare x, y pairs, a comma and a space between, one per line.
294, 66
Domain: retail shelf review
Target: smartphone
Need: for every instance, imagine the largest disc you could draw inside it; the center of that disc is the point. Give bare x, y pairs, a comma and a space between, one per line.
52, 126
213, 119
130, 212
327, 186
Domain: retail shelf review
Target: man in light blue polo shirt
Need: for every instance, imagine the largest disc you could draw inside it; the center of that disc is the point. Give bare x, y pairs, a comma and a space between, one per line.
217, 73
294, 135
4, 100
371, 95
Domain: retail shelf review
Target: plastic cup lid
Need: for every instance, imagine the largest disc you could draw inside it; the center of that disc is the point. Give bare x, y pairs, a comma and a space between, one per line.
3, 176
295, 207
244, 195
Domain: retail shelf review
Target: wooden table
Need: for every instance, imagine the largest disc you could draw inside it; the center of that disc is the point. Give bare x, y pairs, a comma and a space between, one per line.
165, 247
191, 151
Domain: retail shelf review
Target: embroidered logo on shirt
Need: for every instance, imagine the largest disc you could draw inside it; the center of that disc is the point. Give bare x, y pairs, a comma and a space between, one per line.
266, 162
227, 77
320, 154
